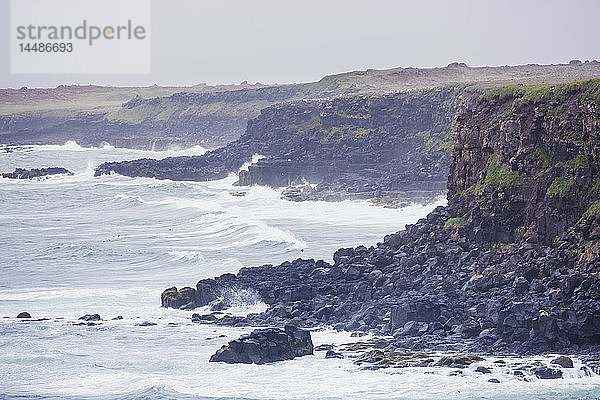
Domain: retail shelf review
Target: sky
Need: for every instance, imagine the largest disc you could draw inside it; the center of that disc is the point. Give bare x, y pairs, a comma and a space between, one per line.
283, 41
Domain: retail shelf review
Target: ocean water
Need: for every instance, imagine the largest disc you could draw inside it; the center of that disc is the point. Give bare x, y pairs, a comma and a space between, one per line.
74, 245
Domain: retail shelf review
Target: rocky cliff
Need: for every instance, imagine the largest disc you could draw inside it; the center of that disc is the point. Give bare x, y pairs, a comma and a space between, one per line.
376, 147
527, 163
510, 265
161, 117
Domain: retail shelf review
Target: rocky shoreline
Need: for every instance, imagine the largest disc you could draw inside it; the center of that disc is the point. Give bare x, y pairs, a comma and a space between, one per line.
367, 352
390, 149
510, 266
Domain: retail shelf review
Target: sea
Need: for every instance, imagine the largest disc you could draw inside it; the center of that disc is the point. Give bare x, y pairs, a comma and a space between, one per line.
79, 244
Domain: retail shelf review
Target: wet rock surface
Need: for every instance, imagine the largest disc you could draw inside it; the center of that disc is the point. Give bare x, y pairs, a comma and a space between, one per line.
35, 173
266, 346
90, 317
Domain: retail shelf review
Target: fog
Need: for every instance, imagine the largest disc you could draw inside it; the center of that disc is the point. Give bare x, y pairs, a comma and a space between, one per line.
269, 41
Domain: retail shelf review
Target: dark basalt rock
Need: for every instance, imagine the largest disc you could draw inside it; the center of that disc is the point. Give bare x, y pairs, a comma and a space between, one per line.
389, 148
175, 298
505, 267
20, 173
548, 373
146, 323
90, 317
333, 354
203, 318
24, 315
563, 361
266, 346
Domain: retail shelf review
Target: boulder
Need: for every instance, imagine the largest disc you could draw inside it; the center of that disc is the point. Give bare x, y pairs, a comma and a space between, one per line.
174, 298
90, 317
333, 354
203, 318
266, 346
206, 291
563, 361
547, 373
24, 315
521, 285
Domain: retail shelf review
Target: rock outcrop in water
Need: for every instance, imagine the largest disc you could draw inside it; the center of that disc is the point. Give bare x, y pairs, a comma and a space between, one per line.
21, 173
369, 147
266, 346
510, 265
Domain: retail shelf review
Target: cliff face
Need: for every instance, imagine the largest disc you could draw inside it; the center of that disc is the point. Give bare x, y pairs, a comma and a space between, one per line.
212, 118
360, 146
357, 146
527, 165
511, 265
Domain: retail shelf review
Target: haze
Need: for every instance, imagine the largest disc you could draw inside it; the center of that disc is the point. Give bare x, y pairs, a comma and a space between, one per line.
275, 41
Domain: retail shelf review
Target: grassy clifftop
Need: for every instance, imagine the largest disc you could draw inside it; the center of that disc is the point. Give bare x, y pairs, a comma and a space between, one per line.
216, 115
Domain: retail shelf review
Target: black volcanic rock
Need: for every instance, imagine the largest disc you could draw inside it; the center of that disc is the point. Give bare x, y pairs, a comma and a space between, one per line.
175, 298
90, 317
266, 346
548, 373
495, 270
363, 147
21, 173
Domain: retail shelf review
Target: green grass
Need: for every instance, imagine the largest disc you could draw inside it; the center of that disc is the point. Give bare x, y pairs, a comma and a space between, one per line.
596, 185
535, 94
560, 186
591, 212
497, 174
434, 142
455, 223
472, 189
578, 162
501, 174
573, 135
540, 154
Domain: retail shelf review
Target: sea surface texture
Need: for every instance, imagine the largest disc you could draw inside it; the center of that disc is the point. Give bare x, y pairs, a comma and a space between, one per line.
75, 245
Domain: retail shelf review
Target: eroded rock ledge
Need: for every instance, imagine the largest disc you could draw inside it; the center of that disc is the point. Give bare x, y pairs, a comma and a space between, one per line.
511, 265
382, 147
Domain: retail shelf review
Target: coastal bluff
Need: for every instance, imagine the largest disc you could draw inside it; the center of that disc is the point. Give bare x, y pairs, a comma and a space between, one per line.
511, 265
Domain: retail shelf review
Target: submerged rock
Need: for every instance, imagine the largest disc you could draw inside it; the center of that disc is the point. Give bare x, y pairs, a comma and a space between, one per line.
146, 323
265, 346
90, 317
203, 318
